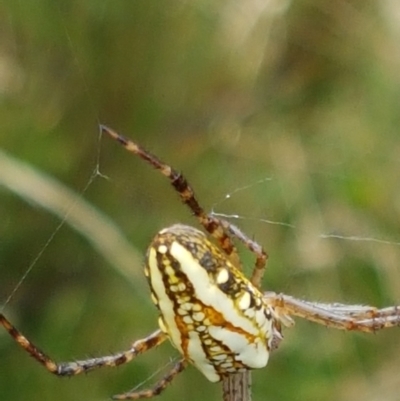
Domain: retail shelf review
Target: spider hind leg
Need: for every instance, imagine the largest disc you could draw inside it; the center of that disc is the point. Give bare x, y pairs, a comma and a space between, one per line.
158, 388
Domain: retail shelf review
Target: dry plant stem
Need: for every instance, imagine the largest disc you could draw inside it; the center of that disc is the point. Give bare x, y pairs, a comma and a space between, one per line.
237, 387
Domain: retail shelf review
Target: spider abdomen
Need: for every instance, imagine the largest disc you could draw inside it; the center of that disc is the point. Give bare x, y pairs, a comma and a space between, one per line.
212, 314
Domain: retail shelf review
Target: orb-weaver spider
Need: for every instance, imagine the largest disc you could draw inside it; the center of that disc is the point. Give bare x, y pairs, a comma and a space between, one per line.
219, 320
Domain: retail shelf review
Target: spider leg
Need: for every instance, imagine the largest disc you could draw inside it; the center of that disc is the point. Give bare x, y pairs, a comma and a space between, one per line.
359, 312
77, 367
253, 246
366, 316
180, 184
339, 316
218, 228
158, 388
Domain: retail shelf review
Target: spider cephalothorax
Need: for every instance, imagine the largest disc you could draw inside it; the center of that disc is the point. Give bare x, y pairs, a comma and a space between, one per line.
217, 318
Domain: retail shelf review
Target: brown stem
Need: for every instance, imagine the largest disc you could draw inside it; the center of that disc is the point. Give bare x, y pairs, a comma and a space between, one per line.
237, 387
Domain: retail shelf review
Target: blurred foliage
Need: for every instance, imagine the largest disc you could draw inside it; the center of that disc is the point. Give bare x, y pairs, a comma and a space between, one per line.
305, 93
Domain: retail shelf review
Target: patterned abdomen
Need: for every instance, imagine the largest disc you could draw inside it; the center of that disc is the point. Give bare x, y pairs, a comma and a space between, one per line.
212, 314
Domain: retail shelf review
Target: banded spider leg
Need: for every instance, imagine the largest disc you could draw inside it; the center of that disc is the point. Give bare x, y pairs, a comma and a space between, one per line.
83, 366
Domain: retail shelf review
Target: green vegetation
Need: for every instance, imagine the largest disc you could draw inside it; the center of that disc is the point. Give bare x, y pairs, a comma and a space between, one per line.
305, 93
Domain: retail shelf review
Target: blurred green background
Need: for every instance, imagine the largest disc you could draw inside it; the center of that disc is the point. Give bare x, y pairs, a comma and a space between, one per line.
290, 107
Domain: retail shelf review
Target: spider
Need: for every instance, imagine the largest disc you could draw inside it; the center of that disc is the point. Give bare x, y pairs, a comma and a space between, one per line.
219, 320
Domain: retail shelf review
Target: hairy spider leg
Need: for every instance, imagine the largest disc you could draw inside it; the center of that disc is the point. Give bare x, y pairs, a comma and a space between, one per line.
362, 318
158, 388
253, 246
82, 366
218, 228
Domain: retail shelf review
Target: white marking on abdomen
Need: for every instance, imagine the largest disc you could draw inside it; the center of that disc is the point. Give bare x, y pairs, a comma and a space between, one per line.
199, 358
207, 292
164, 303
254, 355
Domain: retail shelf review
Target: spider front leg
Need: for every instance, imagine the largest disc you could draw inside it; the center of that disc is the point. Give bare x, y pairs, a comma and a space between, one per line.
181, 185
77, 367
220, 229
